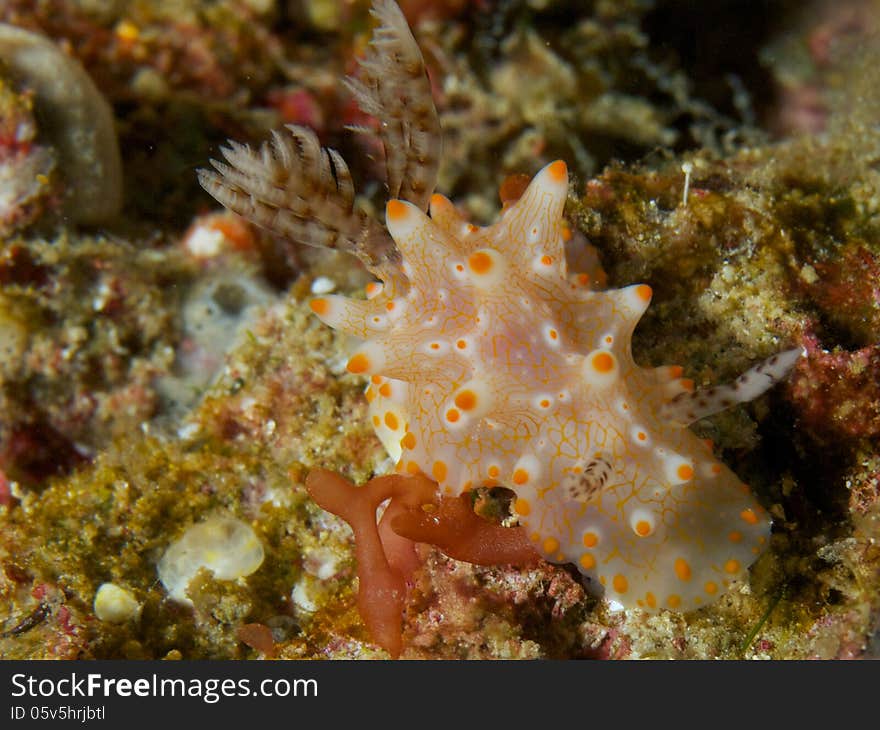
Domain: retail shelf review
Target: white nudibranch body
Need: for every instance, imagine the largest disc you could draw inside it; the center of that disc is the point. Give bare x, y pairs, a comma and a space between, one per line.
491, 365
228, 547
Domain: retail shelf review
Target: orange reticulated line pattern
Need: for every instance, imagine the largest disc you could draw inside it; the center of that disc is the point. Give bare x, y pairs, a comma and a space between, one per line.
498, 366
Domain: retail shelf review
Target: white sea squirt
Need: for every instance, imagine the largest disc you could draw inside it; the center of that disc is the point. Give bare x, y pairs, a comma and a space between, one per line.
226, 546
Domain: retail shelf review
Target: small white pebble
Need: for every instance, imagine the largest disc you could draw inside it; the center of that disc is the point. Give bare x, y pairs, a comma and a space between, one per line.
115, 605
205, 242
188, 431
102, 296
323, 285
302, 598
808, 274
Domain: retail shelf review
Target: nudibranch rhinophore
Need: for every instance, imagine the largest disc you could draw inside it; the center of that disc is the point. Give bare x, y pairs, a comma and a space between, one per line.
491, 365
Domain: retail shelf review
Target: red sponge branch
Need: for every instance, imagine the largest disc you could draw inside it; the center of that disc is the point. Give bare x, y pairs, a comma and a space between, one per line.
462, 534
385, 553
382, 593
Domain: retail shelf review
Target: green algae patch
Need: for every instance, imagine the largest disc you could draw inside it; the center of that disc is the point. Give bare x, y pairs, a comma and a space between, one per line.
96, 325
113, 521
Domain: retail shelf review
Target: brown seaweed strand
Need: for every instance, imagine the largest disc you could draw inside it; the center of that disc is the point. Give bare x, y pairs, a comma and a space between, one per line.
394, 87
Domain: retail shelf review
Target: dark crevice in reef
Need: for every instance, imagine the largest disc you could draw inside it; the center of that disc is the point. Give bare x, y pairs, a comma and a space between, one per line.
714, 41
814, 502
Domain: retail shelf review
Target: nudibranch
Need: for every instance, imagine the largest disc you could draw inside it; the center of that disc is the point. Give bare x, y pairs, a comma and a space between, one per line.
490, 364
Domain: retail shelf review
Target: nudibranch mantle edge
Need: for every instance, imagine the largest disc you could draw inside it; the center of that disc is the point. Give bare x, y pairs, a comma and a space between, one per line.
491, 364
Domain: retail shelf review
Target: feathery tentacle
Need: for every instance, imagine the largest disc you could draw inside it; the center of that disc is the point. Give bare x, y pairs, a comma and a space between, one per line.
394, 87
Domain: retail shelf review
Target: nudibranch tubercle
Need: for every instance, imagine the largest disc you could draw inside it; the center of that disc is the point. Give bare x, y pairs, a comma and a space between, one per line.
490, 365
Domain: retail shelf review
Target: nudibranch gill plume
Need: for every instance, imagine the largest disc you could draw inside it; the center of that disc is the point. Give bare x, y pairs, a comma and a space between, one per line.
491, 364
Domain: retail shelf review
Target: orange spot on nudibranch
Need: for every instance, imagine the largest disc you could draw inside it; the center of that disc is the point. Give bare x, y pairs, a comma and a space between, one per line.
396, 210
452, 415
522, 507
359, 363
409, 440
687, 384
685, 472
711, 587
320, 306
731, 566
735, 536
493, 472
546, 260
466, 400
620, 583
412, 468
673, 601
480, 262
461, 344
551, 545
682, 569
391, 421
520, 476
557, 170
644, 292
591, 539
748, 516
587, 561
439, 470
583, 279
602, 362
385, 390
643, 528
